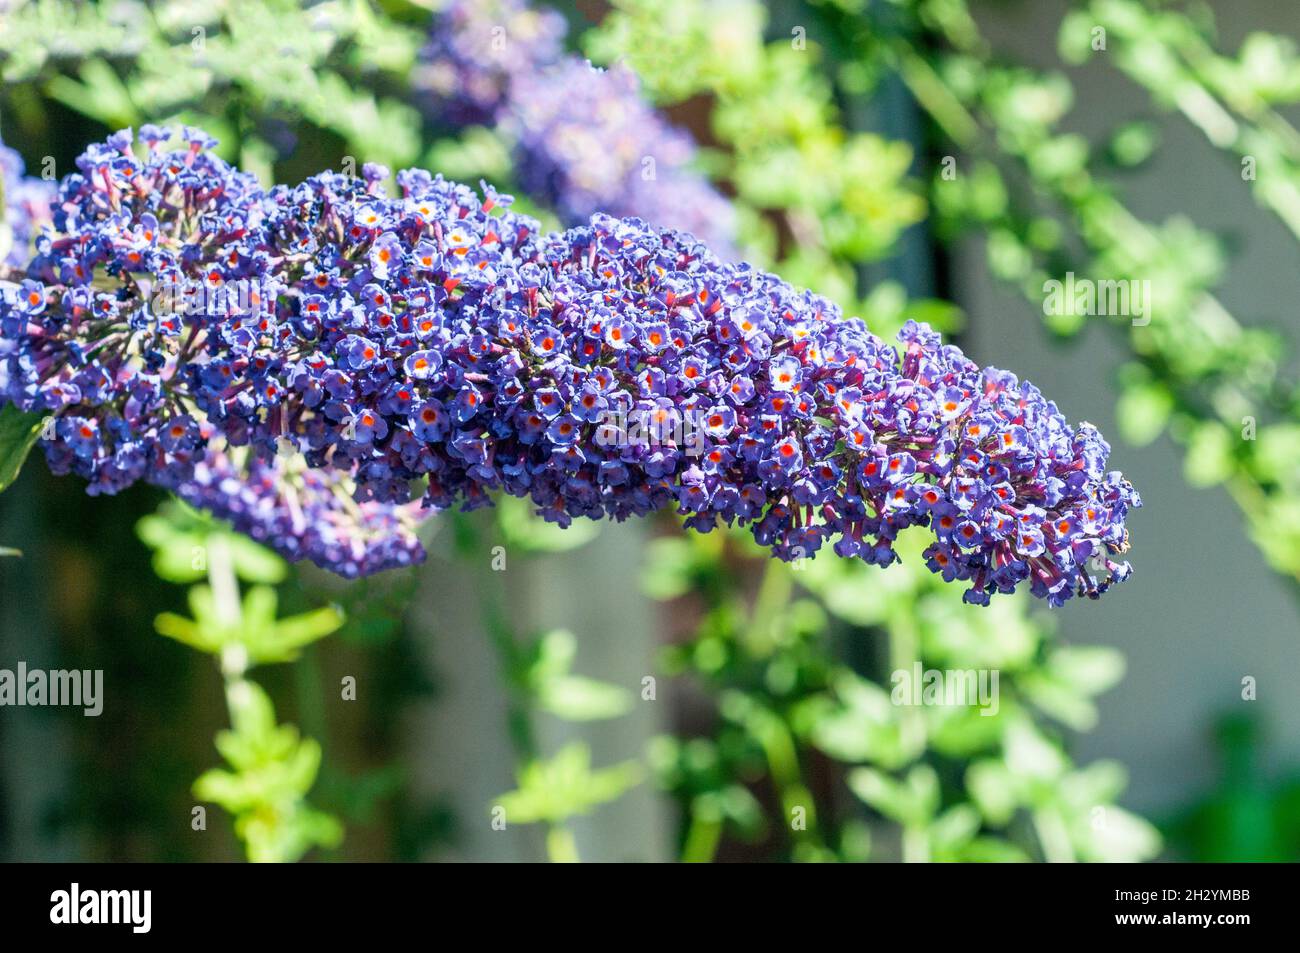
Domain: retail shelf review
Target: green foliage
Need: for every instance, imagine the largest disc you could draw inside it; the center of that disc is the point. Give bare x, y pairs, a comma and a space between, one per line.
814, 199
1252, 814
537, 674
563, 694
700, 773
271, 767
789, 662
271, 771
778, 688
180, 537
257, 636
1198, 372
565, 786
18, 434
1021, 766
229, 65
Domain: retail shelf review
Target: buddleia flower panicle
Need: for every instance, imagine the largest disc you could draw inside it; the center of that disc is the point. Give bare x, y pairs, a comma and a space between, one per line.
585, 139
478, 50
437, 345
175, 231
299, 512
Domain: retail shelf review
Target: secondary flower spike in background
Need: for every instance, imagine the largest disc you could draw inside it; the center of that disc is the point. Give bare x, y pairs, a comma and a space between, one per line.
26, 207
438, 341
585, 139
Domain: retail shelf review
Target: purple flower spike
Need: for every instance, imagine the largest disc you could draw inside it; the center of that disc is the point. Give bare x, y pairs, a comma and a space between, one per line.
587, 142
479, 48
607, 371
300, 513
115, 425
585, 139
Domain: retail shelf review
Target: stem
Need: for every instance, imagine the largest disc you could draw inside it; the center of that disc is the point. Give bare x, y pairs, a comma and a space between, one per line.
702, 838
561, 847
904, 652
222, 580
234, 658
916, 845
766, 725
519, 716
773, 593
1053, 836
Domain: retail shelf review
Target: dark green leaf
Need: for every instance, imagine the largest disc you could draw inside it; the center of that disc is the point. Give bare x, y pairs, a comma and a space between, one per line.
18, 434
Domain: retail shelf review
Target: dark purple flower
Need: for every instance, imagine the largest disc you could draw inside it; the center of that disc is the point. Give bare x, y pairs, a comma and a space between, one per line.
475, 363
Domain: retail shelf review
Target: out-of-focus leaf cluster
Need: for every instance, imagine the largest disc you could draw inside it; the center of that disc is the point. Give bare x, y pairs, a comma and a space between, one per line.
271, 767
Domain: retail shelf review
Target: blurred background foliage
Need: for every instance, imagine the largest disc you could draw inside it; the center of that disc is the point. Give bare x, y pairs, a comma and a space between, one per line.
833, 128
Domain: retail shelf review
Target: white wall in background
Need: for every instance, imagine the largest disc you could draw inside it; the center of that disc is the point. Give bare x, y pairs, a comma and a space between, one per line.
458, 745
1202, 609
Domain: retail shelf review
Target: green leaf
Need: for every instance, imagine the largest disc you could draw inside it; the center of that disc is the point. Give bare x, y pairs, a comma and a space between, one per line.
569, 696
953, 830
992, 850
1091, 669
179, 555
1269, 67
283, 640
180, 537
1074, 39
911, 802
993, 789
1032, 758
565, 786
522, 527
1277, 453
18, 434
187, 632
553, 656
273, 769
100, 95
864, 726
256, 563
1209, 459
1072, 675
670, 567
1143, 410
1110, 834
576, 698
205, 630
1133, 143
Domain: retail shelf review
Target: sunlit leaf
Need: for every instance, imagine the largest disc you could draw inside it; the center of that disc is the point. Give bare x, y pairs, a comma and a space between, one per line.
18, 434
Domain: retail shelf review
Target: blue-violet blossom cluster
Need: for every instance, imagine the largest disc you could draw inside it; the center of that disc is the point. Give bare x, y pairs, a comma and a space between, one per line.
436, 345
98, 357
301, 513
